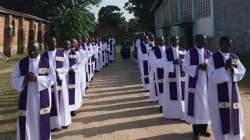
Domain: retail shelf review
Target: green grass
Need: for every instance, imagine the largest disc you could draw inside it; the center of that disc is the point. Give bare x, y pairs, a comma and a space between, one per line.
6, 64
8, 108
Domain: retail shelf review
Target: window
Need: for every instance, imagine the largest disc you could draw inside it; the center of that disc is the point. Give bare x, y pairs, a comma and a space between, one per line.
166, 13
186, 10
202, 9
174, 11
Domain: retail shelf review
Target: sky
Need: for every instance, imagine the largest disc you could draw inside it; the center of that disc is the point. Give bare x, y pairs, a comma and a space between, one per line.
118, 3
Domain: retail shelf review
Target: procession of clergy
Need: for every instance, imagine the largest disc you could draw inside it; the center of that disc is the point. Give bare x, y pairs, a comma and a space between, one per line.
195, 85
53, 84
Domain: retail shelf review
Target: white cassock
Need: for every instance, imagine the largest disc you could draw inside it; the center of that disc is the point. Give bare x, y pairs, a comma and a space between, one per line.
134, 49
85, 62
90, 54
201, 109
114, 50
158, 64
152, 75
94, 55
101, 55
64, 119
144, 57
138, 46
33, 96
106, 48
97, 57
217, 76
172, 109
78, 94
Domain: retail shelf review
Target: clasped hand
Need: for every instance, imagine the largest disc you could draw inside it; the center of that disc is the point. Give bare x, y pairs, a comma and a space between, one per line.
178, 61
31, 76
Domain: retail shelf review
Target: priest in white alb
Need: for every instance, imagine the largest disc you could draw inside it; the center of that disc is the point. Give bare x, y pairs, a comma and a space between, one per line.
196, 101
224, 71
60, 112
159, 51
151, 58
33, 77
143, 57
174, 81
73, 77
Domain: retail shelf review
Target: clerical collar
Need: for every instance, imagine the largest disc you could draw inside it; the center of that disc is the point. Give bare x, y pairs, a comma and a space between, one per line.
224, 54
199, 48
51, 51
162, 46
175, 47
34, 59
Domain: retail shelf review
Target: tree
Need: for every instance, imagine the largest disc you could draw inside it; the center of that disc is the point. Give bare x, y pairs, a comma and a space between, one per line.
40, 8
133, 25
72, 21
141, 10
110, 15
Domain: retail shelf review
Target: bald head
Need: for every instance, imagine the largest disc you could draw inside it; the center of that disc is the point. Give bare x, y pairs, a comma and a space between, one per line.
33, 49
201, 41
174, 41
151, 37
160, 41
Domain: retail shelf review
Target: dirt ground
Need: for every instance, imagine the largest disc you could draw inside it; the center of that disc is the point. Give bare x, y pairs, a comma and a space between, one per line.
117, 108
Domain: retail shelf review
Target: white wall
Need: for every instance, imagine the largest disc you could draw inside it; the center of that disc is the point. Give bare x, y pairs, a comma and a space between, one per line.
204, 26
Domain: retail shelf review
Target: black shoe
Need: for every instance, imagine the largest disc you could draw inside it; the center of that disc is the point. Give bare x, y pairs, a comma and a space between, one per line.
65, 127
55, 130
196, 137
206, 134
87, 87
146, 90
160, 109
73, 113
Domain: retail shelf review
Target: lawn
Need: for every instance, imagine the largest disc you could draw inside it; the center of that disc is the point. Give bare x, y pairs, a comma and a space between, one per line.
5, 64
9, 97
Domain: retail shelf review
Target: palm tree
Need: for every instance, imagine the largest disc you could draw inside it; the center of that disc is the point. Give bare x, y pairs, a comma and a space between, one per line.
72, 20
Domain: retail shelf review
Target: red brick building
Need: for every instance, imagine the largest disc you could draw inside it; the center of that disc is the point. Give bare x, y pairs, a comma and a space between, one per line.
16, 29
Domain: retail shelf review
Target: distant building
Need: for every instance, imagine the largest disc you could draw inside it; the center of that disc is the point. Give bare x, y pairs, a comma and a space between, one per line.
16, 29
118, 34
214, 18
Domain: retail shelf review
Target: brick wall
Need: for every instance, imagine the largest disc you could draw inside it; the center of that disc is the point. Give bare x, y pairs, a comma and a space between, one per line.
21, 30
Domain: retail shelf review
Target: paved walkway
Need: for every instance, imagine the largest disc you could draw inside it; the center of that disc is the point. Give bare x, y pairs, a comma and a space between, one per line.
116, 108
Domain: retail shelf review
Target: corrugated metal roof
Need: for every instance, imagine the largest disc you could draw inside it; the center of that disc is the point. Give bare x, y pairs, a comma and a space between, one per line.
19, 14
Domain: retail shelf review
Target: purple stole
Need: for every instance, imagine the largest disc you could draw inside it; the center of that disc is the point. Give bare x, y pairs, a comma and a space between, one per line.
89, 64
223, 98
111, 47
145, 63
44, 100
59, 64
160, 71
172, 75
72, 80
194, 60
103, 53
